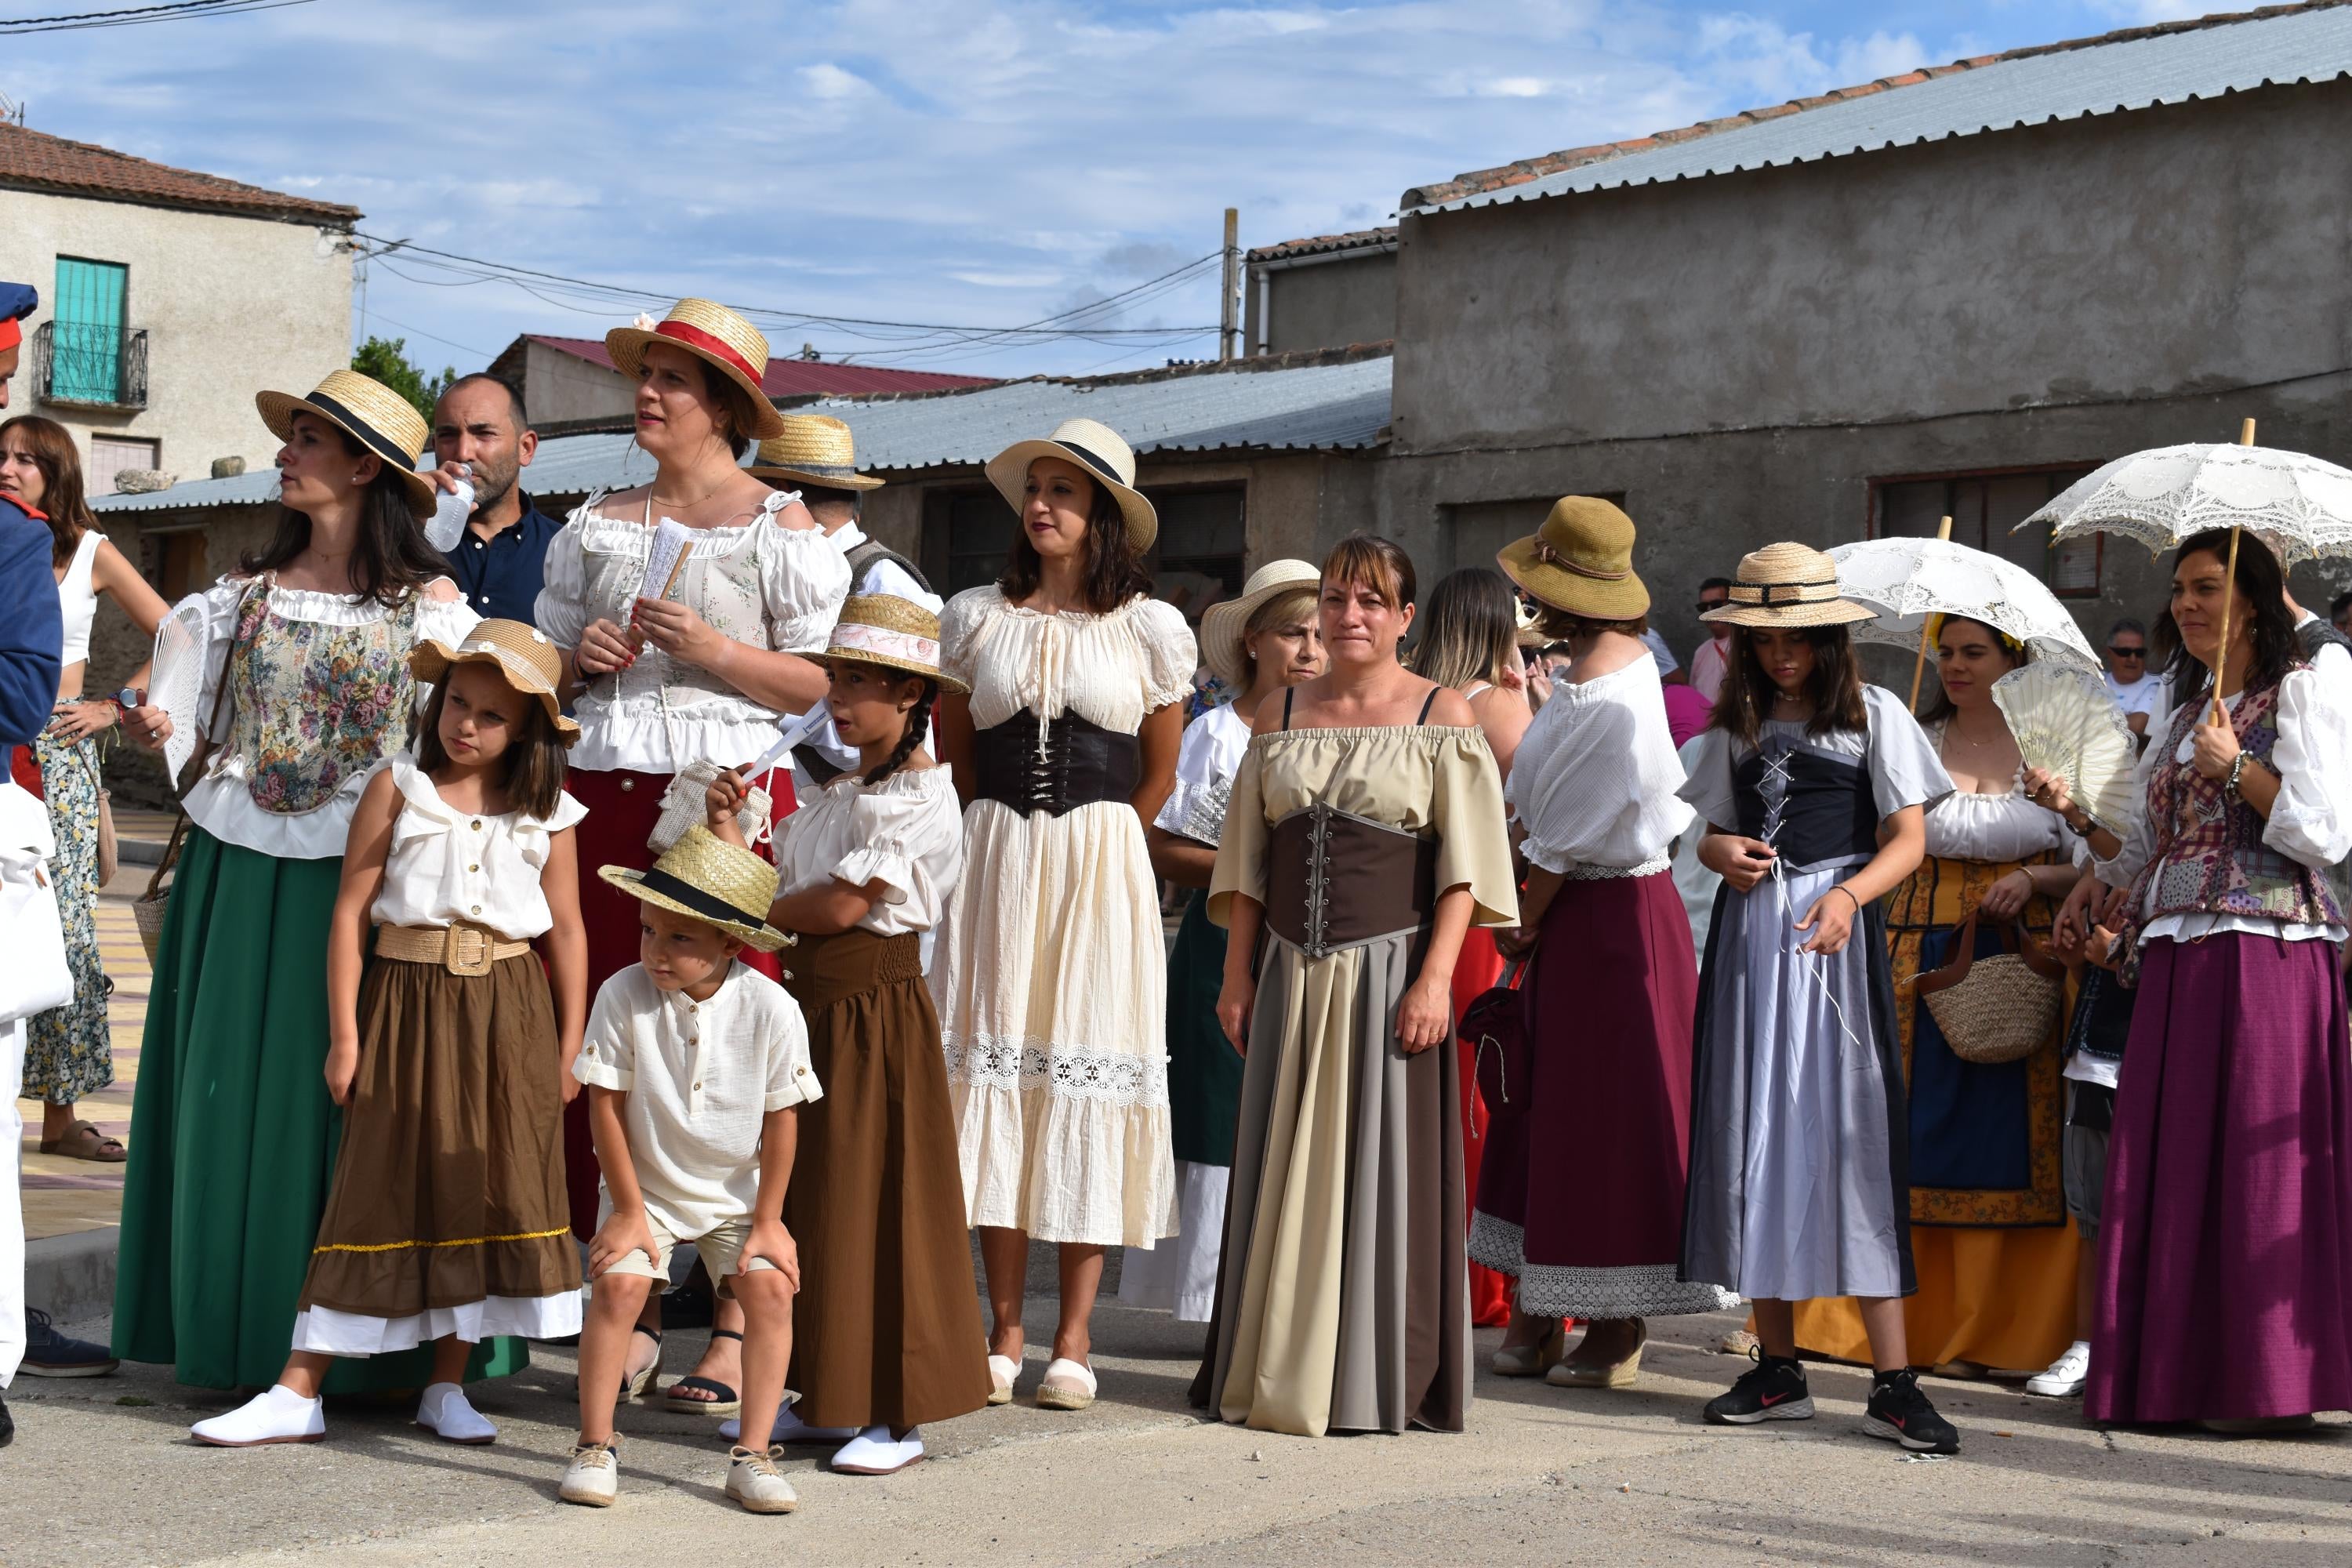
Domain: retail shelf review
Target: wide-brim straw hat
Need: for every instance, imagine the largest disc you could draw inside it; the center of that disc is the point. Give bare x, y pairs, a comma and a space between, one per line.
1580, 561
1224, 627
815, 449
713, 334
895, 633
370, 413
526, 660
708, 879
1787, 584
1099, 450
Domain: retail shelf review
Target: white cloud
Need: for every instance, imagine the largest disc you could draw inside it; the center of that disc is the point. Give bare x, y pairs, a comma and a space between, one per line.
830, 82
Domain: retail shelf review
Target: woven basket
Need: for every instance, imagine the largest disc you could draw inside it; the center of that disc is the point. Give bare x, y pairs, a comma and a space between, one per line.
1997, 1008
683, 807
148, 908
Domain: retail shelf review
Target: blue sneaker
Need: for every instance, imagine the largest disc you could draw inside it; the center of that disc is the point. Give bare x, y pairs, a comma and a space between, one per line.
48, 1354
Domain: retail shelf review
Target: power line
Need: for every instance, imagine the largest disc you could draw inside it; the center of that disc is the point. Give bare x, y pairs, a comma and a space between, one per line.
139, 16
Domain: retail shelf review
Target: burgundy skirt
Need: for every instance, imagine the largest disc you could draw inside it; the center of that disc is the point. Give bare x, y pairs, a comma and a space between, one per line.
1581, 1196
2225, 1245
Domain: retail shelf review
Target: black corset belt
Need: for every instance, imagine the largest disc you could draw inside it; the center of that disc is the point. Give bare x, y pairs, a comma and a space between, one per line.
1079, 765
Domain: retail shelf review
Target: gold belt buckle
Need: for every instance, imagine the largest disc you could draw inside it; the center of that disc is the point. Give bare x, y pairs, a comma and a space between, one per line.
454, 949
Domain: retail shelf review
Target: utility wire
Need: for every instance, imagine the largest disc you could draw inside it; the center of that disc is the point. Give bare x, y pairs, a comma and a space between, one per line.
139, 16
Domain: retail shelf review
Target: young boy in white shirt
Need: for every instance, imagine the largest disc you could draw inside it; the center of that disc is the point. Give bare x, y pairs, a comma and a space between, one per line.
694, 1064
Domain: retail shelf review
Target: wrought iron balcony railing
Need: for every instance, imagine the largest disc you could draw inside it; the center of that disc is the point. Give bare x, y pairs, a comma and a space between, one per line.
90, 363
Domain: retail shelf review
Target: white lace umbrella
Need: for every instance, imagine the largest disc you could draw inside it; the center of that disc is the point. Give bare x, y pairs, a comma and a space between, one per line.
1908, 581
2298, 505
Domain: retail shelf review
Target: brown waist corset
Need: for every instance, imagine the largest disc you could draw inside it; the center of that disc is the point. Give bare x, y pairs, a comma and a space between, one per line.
821, 970
1335, 880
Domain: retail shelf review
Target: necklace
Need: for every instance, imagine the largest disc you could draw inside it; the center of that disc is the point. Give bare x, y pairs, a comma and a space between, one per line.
686, 506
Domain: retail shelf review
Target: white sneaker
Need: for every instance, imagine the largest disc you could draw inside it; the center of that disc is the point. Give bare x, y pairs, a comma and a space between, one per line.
753, 1480
874, 1452
446, 1412
789, 1429
277, 1415
593, 1476
2066, 1376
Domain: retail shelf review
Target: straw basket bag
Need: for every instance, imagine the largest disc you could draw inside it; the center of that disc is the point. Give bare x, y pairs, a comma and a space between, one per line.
147, 909
1997, 1008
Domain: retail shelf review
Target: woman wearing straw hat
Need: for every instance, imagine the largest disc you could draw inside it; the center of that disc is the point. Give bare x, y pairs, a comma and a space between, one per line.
1265, 640
1612, 981
307, 689
697, 674
1054, 1025
1813, 788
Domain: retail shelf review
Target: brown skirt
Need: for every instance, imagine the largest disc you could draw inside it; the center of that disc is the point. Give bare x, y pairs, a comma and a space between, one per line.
448, 1188
887, 1326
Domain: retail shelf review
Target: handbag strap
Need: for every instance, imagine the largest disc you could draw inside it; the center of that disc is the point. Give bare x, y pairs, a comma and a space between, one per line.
171, 856
220, 699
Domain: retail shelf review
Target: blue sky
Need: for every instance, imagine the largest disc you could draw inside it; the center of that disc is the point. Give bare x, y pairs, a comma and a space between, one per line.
978, 162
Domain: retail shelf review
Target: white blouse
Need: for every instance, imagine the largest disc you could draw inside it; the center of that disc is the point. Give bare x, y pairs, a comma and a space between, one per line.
1109, 669
778, 589
1994, 828
1594, 779
2310, 822
447, 865
905, 832
220, 803
1206, 761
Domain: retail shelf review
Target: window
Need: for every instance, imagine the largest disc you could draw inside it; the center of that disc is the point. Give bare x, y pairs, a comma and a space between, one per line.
1197, 558
979, 536
1984, 506
109, 455
1479, 529
178, 562
88, 336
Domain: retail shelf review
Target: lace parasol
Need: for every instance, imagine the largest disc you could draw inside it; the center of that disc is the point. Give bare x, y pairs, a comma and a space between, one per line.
1908, 580
2300, 505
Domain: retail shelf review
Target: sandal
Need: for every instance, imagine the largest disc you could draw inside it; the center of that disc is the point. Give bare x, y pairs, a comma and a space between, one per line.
634, 1387
88, 1144
1068, 1385
724, 1401
1004, 1371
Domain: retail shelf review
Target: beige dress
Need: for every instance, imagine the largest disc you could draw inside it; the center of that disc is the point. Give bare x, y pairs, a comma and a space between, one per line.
1344, 1303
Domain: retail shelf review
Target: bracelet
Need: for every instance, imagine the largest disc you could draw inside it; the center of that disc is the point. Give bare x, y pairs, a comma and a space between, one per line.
2237, 769
1841, 888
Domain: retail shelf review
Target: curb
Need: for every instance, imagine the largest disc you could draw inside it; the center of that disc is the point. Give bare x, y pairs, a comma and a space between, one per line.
139, 851
71, 1276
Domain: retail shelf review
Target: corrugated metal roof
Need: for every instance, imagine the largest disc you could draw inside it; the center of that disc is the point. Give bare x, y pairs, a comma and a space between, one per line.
1310, 407
2131, 72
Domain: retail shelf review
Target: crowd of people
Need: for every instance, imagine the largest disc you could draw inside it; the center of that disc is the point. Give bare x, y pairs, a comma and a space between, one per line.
1526, 977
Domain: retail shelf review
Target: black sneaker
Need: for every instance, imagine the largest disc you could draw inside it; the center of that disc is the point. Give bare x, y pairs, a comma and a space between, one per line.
1901, 1414
1773, 1389
48, 1354
7, 1425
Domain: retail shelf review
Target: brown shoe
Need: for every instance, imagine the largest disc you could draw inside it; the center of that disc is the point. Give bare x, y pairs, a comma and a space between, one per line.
83, 1141
1582, 1369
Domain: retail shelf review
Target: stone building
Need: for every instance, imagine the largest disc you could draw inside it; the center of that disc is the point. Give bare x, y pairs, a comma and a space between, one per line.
572, 382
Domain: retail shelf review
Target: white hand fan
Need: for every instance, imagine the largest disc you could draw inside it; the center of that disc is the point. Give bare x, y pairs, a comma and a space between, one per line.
2064, 721
176, 679
666, 556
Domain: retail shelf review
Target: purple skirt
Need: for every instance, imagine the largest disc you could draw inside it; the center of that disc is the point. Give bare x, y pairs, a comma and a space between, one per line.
2225, 1254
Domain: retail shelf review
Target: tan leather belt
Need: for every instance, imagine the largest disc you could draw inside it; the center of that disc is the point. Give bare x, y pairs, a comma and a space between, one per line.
461, 949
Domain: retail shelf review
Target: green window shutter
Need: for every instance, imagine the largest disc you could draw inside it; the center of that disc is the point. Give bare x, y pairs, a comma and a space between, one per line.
88, 335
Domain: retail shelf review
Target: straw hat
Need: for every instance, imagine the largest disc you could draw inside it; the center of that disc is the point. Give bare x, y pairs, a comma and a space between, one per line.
1531, 632
895, 633
1223, 647
1787, 584
815, 449
1580, 561
713, 334
525, 658
705, 877
370, 413
1097, 448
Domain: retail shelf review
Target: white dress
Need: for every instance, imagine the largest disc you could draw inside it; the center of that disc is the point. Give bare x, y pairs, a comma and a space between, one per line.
1053, 1025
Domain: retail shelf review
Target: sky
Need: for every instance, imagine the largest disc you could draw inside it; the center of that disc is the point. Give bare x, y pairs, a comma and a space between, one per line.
967, 164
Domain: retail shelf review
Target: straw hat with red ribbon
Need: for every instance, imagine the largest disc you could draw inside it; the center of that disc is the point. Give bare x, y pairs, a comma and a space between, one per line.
1580, 561
713, 334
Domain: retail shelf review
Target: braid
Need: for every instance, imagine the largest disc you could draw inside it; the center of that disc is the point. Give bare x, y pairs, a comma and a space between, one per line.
919, 724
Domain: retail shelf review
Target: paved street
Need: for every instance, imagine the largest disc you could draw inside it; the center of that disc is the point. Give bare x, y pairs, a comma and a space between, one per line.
101, 1472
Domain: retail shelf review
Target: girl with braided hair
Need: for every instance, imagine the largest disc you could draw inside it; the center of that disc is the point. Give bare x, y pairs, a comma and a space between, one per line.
887, 1324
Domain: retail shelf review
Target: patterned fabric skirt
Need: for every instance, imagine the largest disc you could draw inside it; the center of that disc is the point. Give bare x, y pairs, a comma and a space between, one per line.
235, 1135
69, 1050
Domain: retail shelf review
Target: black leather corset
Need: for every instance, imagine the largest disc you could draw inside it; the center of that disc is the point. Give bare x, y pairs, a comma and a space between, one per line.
1079, 763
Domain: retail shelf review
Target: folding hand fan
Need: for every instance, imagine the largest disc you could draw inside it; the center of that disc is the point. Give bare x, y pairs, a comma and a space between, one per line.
2064, 721
176, 680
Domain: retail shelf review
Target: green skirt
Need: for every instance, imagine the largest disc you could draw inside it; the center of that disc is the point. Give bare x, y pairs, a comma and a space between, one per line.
233, 1135
1205, 1072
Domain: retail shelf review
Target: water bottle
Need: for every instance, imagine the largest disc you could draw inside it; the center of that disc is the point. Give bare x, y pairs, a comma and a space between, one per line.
450, 510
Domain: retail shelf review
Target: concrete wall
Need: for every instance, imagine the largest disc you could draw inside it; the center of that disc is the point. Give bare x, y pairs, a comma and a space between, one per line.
559, 386
1739, 357
1328, 303
232, 306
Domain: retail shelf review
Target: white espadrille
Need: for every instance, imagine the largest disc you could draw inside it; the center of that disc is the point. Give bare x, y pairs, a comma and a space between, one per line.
448, 1414
593, 1477
753, 1480
1004, 1371
276, 1414
1067, 1386
874, 1452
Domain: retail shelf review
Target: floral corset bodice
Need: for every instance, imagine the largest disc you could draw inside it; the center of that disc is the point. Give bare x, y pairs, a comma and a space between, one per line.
315, 704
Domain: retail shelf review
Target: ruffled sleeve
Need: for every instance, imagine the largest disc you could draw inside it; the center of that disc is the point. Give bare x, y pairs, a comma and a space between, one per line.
1904, 770
960, 628
1240, 847
533, 835
445, 621
1171, 654
561, 611
2311, 820
1600, 789
1206, 761
1474, 850
423, 813
910, 840
802, 581
1707, 783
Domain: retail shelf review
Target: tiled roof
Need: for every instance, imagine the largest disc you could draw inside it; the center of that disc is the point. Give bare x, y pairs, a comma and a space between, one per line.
796, 377
1361, 239
37, 160
2164, 63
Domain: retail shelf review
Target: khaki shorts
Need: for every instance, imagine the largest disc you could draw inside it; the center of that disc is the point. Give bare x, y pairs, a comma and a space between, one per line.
720, 1249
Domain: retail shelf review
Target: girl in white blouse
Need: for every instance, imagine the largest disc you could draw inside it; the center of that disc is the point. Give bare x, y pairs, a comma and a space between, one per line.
451, 1053
886, 1312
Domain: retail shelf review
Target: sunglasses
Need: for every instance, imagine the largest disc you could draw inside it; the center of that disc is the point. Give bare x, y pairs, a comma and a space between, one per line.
1705, 604
2127, 652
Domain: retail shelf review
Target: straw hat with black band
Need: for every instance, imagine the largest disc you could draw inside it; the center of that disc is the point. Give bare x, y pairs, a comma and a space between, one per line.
1787, 584
370, 413
813, 449
1580, 562
1224, 627
704, 877
1100, 453
892, 632
715, 335
525, 659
